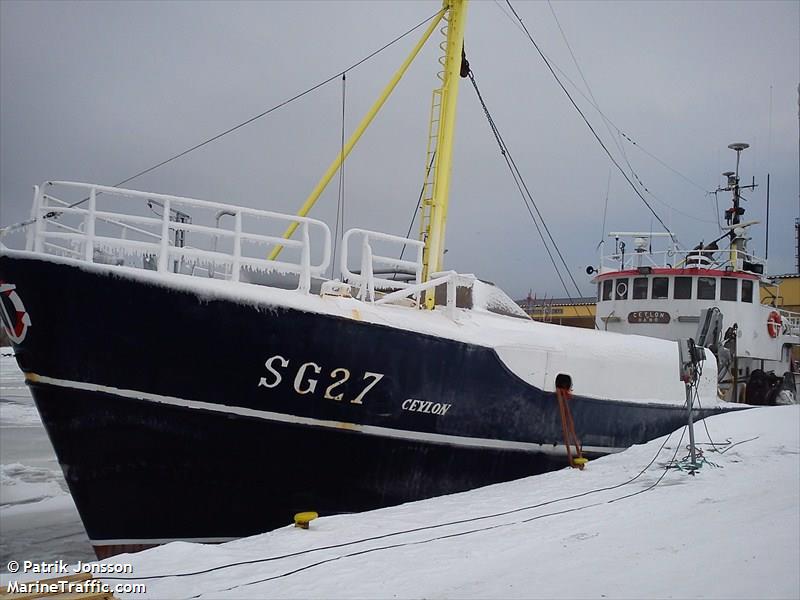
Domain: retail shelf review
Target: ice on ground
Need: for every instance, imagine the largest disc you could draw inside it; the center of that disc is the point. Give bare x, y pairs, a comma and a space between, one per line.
731, 531
16, 403
13, 414
38, 519
21, 484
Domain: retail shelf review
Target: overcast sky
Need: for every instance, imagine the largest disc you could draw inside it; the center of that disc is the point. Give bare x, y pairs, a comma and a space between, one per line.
98, 91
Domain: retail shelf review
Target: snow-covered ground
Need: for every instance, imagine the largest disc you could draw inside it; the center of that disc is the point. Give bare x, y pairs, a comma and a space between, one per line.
38, 519
731, 531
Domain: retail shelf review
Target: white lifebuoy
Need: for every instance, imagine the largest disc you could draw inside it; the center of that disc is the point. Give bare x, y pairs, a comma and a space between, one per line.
622, 289
16, 325
774, 324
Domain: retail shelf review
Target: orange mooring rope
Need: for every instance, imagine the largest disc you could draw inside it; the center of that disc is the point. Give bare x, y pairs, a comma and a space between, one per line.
568, 429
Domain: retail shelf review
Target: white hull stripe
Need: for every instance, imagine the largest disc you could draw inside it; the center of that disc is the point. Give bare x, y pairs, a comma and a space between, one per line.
387, 432
159, 541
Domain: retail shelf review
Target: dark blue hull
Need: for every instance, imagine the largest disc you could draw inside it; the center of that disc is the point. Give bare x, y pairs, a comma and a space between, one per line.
180, 416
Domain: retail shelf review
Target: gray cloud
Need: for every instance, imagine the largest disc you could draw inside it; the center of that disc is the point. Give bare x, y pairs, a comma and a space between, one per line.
97, 91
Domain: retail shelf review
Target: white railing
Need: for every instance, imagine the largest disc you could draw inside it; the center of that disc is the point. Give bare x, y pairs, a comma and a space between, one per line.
449, 278
678, 259
162, 238
367, 280
790, 320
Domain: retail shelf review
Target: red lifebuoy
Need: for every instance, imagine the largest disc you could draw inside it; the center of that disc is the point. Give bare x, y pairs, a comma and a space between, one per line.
774, 324
16, 324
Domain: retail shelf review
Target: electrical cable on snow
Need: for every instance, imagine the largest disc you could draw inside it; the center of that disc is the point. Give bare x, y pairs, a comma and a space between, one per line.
479, 530
414, 530
700, 406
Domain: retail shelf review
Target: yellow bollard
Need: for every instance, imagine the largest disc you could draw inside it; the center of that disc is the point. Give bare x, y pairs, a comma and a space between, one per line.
302, 519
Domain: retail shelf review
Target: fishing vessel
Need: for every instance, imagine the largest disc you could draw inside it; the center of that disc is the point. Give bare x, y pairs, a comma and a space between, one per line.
711, 293
200, 379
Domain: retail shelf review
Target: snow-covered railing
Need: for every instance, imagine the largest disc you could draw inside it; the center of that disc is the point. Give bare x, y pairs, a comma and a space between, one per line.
369, 279
449, 278
162, 238
678, 259
790, 320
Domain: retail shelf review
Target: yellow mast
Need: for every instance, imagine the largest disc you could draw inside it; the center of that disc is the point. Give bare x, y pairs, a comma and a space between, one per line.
365, 122
439, 162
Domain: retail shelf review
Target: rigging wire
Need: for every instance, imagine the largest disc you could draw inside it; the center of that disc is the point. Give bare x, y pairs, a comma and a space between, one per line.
340, 199
527, 197
416, 210
605, 211
588, 124
716, 203
416, 529
609, 122
315, 87
595, 103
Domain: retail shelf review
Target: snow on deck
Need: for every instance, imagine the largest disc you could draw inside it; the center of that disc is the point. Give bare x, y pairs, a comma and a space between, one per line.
732, 531
602, 364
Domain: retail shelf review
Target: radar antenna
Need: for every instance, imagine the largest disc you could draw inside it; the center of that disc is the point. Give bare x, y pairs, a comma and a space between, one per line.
733, 214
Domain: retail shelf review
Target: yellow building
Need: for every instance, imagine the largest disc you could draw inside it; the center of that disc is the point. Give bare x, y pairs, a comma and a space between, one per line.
786, 295
576, 312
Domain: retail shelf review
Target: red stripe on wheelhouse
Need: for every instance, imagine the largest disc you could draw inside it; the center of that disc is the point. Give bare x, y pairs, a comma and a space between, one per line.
678, 272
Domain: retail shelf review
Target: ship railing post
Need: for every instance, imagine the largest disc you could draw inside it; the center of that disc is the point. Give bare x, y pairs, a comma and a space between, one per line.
418, 274
88, 246
163, 255
237, 246
451, 297
367, 291
33, 240
305, 262
370, 274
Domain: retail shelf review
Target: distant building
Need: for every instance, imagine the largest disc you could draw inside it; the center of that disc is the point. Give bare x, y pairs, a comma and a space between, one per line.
575, 312
787, 296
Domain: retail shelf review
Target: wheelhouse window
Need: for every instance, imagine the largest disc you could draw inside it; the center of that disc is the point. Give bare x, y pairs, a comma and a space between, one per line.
660, 288
706, 288
683, 288
727, 289
640, 288
747, 290
621, 289
608, 284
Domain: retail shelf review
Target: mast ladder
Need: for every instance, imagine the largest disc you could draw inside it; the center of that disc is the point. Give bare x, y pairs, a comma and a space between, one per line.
431, 160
